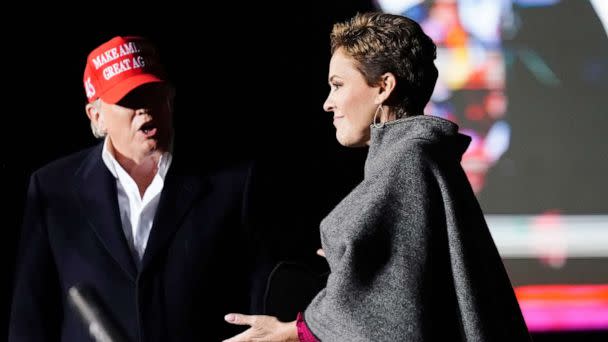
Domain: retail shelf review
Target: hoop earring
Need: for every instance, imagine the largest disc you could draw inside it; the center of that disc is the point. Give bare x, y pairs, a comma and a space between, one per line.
379, 109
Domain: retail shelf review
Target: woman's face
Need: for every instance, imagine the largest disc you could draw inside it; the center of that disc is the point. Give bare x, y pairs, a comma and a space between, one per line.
351, 99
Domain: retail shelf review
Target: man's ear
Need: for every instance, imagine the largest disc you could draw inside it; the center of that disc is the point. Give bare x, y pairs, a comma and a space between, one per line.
387, 84
94, 114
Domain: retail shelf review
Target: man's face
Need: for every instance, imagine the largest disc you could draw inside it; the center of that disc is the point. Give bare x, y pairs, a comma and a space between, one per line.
141, 122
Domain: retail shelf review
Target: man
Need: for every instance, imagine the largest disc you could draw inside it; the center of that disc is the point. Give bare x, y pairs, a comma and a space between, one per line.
164, 248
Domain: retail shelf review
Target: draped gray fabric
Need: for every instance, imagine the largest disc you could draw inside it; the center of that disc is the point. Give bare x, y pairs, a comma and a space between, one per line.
410, 253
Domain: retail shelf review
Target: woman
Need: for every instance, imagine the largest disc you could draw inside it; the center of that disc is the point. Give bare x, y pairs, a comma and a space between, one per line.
410, 254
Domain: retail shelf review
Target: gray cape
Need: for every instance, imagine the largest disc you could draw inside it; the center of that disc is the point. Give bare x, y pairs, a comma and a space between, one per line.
410, 253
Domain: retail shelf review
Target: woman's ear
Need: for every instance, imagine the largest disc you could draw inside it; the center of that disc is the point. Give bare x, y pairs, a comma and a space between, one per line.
385, 87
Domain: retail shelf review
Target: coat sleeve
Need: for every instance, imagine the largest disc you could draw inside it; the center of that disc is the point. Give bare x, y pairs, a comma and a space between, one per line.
36, 311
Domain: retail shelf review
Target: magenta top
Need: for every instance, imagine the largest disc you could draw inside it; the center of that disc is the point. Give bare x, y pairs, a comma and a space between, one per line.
304, 333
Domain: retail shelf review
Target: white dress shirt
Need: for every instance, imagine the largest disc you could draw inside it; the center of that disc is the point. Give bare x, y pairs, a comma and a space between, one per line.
136, 212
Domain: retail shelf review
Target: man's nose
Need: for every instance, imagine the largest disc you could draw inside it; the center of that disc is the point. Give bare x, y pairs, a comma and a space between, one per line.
142, 111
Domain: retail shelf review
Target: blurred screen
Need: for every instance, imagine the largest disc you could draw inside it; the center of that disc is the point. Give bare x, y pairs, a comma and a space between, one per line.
527, 81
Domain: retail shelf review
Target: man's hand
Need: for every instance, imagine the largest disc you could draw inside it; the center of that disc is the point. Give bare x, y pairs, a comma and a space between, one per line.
263, 328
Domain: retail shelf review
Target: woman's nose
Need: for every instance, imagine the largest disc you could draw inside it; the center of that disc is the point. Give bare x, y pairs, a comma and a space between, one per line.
328, 105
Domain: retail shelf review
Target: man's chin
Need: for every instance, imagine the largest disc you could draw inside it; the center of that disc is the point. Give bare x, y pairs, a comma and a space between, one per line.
152, 147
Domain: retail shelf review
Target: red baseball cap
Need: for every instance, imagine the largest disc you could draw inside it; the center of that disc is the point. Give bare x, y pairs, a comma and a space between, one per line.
120, 65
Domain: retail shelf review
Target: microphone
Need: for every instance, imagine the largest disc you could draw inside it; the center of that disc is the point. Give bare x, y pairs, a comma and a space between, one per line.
90, 310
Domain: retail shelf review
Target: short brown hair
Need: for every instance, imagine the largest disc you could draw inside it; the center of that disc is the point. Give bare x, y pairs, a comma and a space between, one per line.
381, 43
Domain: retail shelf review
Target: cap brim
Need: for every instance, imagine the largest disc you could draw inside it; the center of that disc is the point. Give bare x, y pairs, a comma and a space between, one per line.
116, 93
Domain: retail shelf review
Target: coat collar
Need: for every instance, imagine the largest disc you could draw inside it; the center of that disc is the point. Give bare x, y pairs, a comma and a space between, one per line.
96, 193
391, 139
180, 191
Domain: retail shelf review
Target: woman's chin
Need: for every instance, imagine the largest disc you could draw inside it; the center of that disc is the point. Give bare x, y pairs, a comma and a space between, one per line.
349, 141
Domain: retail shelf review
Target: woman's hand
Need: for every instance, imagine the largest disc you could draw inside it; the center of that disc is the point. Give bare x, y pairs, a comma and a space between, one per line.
321, 252
263, 328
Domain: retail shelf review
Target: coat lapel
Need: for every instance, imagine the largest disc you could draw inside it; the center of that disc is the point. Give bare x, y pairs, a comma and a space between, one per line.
179, 193
96, 193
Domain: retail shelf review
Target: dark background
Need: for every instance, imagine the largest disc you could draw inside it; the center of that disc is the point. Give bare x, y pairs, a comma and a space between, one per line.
250, 80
